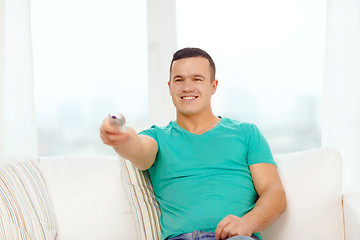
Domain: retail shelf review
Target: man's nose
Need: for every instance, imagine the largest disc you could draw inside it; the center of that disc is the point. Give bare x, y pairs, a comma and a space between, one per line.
188, 86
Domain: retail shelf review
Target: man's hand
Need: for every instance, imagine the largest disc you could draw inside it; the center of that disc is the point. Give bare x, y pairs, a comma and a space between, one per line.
232, 226
270, 205
140, 150
112, 135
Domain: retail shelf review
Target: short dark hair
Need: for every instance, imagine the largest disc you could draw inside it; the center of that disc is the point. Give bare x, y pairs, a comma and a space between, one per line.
193, 52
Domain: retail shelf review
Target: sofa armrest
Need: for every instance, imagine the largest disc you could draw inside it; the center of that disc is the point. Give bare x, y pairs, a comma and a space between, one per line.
352, 215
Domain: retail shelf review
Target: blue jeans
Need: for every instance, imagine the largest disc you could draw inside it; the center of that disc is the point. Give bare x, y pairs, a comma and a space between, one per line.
200, 235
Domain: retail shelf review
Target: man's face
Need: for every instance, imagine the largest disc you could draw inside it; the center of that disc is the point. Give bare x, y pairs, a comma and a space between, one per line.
191, 85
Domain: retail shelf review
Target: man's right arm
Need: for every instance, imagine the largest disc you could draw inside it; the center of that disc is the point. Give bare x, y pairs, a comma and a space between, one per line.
141, 150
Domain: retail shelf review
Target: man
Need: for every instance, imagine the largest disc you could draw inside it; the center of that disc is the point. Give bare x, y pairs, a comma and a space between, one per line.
214, 178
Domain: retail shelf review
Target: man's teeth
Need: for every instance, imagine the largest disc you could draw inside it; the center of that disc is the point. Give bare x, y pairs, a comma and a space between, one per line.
188, 98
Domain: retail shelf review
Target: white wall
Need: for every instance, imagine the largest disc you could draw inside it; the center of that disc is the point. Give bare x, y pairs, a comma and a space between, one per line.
18, 130
341, 118
2, 67
161, 23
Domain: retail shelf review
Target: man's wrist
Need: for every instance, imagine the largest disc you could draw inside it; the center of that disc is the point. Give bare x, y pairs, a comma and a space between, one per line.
251, 223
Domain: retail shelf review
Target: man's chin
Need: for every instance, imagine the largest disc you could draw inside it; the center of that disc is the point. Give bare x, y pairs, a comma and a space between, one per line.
188, 112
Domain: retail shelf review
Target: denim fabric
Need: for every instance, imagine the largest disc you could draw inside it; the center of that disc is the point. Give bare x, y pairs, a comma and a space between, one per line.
253, 237
200, 235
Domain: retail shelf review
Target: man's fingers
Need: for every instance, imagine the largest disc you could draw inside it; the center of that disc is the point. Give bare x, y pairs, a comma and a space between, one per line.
109, 128
220, 227
112, 136
228, 231
105, 139
232, 226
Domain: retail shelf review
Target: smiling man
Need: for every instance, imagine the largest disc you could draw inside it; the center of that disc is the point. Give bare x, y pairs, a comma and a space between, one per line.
214, 177
192, 83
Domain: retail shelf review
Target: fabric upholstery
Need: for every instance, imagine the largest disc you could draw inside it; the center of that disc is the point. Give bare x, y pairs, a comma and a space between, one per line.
313, 184
25, 208
146, 210
88, 198
352, 214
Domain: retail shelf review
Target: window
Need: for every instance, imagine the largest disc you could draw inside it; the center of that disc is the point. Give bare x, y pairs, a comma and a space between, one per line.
270, 58
90, 59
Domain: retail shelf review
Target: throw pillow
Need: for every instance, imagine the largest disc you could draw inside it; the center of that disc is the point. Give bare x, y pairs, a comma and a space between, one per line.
141, 196
25, 208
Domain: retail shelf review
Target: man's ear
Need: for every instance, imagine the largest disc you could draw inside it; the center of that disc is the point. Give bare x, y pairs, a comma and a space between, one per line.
214, 85
169, 85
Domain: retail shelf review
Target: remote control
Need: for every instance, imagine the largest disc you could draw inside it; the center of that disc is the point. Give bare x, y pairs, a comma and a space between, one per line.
118, 119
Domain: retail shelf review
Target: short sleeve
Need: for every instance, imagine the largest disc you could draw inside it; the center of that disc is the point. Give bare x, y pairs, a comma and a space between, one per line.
151, 132
258, 148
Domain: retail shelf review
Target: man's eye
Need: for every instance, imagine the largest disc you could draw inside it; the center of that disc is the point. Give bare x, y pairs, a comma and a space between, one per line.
198, 79
177, 80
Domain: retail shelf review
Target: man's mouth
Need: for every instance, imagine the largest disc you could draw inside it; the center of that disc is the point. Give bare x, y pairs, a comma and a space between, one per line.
189, 97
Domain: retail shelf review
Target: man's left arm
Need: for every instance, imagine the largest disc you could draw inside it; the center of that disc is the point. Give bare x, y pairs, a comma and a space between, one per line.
270, 205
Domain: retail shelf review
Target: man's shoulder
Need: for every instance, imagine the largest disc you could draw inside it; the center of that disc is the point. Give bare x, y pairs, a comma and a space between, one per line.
241, 125
158, 129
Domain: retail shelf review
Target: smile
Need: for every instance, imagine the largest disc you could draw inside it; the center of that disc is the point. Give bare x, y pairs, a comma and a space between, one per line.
189, 97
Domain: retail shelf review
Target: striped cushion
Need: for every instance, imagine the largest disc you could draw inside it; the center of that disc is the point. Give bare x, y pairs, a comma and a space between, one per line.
144, 205
25, 209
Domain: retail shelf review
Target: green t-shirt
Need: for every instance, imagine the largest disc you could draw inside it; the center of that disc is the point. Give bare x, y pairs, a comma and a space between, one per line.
200, 179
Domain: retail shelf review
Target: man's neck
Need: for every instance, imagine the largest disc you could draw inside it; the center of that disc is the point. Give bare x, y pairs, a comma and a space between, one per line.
197, 124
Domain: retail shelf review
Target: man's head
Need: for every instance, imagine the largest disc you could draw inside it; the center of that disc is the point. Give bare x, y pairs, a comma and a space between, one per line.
194, 52
192, 82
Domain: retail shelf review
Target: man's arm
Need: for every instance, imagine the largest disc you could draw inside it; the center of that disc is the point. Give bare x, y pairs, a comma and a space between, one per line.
270, 205
140, 150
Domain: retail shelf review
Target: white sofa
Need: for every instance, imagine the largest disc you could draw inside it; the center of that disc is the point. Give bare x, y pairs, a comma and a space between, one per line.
90, 201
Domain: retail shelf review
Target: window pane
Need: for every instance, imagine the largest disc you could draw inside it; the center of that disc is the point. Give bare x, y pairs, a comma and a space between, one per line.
270, 58
90, 58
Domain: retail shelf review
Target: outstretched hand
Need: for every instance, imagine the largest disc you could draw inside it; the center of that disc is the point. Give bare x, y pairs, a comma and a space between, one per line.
232, 226
112, 135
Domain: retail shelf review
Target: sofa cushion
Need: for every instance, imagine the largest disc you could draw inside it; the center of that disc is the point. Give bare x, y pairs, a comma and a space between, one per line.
313, 184
88, 198
352, 214
25, 208
141, 196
